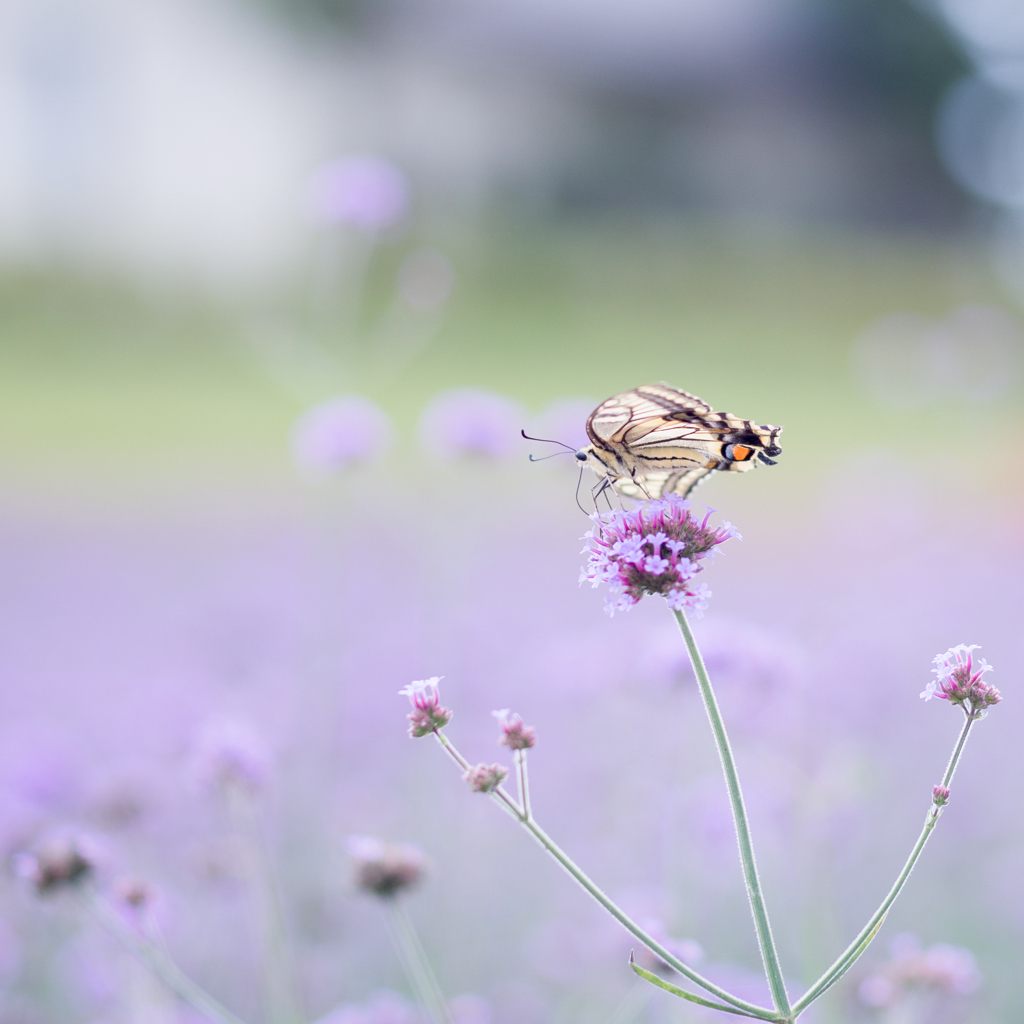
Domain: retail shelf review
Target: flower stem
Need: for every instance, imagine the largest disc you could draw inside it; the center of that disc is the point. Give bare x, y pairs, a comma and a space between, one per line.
505, 801
524, 784
739, 813
852, 952
159, 963
417, 966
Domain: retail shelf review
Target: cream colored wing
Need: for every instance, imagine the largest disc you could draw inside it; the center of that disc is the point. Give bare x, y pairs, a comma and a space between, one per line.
660, 482
632, 416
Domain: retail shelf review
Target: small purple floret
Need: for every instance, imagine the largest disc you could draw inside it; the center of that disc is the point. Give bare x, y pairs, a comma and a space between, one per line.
427, 713
485, 778
654, 548
959, 680
514, 734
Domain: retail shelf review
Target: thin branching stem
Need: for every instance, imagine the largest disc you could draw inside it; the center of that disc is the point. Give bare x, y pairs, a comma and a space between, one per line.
161, 965
853, 952
503, 799
739, 813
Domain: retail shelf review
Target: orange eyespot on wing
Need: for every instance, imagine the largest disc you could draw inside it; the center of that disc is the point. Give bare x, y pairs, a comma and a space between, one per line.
739, 453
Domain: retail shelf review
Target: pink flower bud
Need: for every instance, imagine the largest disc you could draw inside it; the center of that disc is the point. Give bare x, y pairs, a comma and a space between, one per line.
427, 713
485, 778
514, 734
940, 796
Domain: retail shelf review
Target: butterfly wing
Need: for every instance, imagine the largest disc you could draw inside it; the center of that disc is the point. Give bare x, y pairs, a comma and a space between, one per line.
652, 414
660, 482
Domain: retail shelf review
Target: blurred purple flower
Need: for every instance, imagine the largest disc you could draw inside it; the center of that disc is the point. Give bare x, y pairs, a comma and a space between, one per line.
59, 862
957, 681
470, 1009
427, 714
346, 430
468, 422
687, 950
565, 420
231, 752
654, 548
514, 734
485, 778
383, 1007
385, 869
942, 968
368, 192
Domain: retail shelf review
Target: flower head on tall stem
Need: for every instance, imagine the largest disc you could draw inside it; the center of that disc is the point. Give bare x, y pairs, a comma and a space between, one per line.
655, 548
386, 869
62, 862
958, 679
514, 734
427, 713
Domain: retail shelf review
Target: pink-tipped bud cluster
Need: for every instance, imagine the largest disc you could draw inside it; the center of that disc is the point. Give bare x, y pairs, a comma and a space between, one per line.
427, 713
485, 778
958, 679
940, 796
59, 863
385, 869
514, 734
655, 548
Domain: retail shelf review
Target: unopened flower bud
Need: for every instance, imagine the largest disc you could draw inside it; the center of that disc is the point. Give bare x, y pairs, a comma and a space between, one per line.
514, 734
58, 863
385, 869
485, 778
940, 796
427, 714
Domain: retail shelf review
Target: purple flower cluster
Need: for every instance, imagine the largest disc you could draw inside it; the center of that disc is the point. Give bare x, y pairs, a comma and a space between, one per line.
485, 778
959, 681
514, 734
385, 869
655, 548
427, 713
942, 969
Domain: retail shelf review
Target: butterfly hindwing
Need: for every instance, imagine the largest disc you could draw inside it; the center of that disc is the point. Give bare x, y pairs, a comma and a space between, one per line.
657, 439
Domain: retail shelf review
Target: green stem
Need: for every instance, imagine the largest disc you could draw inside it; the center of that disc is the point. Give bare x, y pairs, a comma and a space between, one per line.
739, 813
505, 801
159, 963
852, 952
524, 784
414, 959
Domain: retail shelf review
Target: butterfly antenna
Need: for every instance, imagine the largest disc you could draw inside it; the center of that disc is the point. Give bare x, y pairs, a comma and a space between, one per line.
546, 440
544, 458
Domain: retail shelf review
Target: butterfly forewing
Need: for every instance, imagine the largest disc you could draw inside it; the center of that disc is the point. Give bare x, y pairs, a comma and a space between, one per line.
657, 439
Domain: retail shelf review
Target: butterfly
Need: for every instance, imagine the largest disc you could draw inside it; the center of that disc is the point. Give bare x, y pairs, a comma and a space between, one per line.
657, 440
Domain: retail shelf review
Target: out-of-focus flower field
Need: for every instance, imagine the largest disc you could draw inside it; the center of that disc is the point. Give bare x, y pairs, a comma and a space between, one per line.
200, 576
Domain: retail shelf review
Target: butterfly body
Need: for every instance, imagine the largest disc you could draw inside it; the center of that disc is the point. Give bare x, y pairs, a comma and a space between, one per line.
657, 439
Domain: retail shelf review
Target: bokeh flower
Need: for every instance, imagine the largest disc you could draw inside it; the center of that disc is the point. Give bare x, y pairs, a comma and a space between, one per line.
59, 862
385, 869
230, 752
514, 734
334, 435
655, 548
471, 423
485, 778
959, 680
942, 969
427, 713
369, 192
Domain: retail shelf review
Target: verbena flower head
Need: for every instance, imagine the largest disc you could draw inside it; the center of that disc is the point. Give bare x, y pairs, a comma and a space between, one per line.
385, 869
958, 679
368, 192
427, 712
470, 423
485, 778
514, 734
655, 548
231, 752
339, 433
943, 969
58, 863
